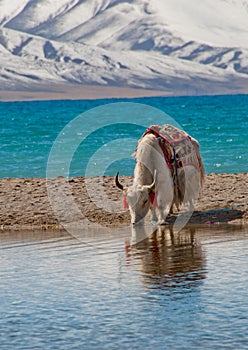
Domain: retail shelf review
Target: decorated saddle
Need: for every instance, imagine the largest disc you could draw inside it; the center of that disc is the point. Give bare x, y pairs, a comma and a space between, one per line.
179, 150
178, 147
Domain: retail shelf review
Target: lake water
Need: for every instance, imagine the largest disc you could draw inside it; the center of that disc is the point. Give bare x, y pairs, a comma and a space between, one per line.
98, 137
117, 289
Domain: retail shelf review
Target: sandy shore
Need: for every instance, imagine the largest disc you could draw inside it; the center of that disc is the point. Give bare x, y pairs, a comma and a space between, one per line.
24, 203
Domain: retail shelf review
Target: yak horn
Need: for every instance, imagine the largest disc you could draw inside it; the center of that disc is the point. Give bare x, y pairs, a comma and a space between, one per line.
118, 184
152, 185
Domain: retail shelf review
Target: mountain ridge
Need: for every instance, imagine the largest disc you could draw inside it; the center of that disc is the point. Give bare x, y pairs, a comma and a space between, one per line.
124, 43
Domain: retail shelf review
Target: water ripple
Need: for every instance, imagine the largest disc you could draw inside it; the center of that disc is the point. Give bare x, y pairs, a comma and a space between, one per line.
108, 291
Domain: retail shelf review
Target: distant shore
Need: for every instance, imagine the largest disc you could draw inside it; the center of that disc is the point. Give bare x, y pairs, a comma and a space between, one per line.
24, 203
52, 91
76, 92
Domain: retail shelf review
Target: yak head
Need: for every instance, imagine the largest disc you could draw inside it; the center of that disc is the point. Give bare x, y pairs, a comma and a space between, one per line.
137, 198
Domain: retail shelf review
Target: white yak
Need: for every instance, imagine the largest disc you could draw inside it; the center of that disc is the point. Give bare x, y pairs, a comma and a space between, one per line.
168, 171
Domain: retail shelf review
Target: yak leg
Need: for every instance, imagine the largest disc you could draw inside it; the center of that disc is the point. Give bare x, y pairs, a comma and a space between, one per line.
162, 215
153, 213
164, 203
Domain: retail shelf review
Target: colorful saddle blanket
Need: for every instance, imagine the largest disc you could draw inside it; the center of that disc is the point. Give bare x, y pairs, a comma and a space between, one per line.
178, 147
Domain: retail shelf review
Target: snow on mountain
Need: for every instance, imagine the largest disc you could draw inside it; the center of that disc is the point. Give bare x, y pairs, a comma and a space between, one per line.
180, 46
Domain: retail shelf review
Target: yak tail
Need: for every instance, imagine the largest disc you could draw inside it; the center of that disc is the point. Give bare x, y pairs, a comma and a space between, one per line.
200, 163
180, 179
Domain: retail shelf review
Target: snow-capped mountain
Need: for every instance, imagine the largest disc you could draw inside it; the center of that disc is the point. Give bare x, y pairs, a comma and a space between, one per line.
167, 45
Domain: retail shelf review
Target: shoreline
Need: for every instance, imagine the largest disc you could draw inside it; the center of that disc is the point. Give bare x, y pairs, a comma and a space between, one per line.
77, 92
25, 204
52, 92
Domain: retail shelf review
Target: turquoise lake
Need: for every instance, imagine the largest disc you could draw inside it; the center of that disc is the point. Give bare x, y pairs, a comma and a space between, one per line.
29, 130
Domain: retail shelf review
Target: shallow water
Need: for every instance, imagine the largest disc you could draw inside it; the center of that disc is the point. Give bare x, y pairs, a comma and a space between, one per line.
117, 289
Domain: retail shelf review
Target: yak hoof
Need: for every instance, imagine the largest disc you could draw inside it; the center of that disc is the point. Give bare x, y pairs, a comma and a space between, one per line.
162, 222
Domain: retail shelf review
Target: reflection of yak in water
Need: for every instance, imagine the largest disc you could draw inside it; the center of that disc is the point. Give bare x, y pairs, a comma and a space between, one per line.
168, 260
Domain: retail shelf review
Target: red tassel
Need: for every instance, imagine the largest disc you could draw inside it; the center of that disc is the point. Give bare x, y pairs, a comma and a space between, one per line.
153, 199
125, 205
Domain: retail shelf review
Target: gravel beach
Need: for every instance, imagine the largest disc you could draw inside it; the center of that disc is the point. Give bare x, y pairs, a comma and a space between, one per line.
33, 203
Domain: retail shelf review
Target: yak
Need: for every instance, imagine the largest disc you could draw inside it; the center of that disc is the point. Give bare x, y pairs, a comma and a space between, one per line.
168, 172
